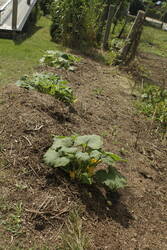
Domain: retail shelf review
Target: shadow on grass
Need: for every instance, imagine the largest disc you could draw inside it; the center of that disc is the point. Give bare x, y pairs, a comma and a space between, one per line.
25, 34
101, 203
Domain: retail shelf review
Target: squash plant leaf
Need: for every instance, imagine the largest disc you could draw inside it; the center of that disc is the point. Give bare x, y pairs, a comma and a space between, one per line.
61, 162
113, 156
50, 156
95, 142
96, 154
82, 156
111, 178
86, 179
92, 141
60, 142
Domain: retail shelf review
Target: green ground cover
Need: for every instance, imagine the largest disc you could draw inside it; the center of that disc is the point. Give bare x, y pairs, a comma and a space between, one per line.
154, 41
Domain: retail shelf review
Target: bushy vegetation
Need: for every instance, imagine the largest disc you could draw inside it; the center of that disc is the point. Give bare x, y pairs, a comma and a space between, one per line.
75, 22
45, 6
49, 84
154, 104
84, 160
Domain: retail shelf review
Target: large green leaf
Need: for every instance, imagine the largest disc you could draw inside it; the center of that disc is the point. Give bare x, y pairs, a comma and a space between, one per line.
81, 140
108, 160
82, 156
68, 150
50, 156
92, 141
61, 162
113, 156
95, 142
53, 158
86, 179
62, 141
96, 154
111, 178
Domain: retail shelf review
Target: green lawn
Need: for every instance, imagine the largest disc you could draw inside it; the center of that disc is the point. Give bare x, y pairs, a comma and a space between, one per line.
154, 41
21, 58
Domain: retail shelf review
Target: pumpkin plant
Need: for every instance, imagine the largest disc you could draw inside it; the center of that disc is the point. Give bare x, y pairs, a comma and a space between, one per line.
83, 159
48, 83
58, 59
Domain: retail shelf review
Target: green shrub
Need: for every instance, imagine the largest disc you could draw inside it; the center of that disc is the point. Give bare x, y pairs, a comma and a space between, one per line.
84, 160
75, 22
45, 6
50, 84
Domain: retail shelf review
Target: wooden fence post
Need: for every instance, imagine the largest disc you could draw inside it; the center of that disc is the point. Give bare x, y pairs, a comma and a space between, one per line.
14, 14
129, 50
108, 26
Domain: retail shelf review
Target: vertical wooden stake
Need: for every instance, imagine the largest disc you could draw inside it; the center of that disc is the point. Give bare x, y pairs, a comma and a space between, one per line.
14, 14
129, 50
108, 27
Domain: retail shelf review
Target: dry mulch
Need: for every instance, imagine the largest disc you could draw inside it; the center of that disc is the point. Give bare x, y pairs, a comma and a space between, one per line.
105, 106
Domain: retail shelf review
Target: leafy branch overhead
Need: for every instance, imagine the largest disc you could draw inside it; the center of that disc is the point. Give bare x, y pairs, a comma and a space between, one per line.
58, 59
49, 84
84, 160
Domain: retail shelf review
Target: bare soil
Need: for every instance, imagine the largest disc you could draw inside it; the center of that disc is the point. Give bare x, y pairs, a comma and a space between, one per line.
28, 119
149, 68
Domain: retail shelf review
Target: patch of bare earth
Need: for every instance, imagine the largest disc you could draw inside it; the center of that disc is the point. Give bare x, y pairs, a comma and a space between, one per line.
150, 68
28, 119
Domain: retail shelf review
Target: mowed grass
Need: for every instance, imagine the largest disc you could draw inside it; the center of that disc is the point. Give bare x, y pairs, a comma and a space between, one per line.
154, 41
21, 57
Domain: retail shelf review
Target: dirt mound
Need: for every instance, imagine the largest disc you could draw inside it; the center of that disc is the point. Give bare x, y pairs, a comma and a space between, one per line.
28, 119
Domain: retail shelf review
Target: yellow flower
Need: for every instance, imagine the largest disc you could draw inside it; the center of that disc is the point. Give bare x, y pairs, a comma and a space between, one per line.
93, 160
90, 170
72, 174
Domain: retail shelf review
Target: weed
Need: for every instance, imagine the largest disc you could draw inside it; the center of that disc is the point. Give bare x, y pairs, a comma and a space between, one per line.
153, 103
105, 133
14, 221
98, 91
2, 102
74, 238
83, 159
49, 84
1, 148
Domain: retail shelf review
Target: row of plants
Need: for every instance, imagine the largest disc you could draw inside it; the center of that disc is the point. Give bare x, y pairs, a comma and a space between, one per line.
50, 83
81, 157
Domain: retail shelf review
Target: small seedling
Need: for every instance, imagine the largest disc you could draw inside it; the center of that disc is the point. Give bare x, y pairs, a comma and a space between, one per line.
14, 221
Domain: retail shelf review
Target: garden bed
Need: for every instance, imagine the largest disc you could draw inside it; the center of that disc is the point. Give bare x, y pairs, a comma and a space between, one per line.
41, 199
